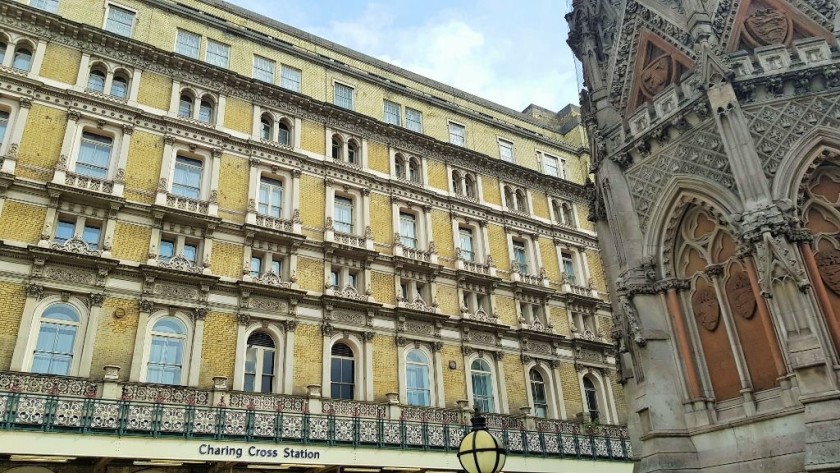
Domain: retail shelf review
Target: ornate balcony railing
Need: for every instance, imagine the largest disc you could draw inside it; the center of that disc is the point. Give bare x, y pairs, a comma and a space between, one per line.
273, 279
417, 304
273, 223
75, 245
180, 263
185, 203
92, 416
88, 183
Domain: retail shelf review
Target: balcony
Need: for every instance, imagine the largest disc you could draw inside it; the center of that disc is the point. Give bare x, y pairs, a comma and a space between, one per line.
415, 258
348, 293
86, 407
86, 188
473, 270
281, 230
187, 207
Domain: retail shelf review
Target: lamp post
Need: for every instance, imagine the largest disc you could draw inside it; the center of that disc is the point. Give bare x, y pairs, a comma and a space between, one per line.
481, 451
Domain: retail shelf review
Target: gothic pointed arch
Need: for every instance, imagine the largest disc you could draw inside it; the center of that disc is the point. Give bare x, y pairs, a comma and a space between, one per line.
802, 159
759, 23
658, 65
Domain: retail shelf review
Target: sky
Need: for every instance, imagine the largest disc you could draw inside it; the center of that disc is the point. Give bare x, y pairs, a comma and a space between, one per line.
512, 53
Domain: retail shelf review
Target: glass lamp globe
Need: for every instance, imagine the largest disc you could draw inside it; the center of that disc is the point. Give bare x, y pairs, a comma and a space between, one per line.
481, 452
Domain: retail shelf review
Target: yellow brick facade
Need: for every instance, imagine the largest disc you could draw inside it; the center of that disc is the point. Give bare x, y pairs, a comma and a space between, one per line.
143, 168
491, 191
447, 298
454, 381
219, 342
437, 175
309, 346
61, 64
540, 202
239, 115
155, 90
131, 242
115, 335
312, 137
548, 254
382, 286
515, 383
380, 221
22, 222
12, 296
442, 230
506, 310
498, 246
233, 188
378, 157
227, 259
39, 151
385, 367
310, 274
312, 201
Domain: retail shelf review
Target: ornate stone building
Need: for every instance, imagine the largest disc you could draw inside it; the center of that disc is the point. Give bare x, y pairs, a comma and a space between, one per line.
226, 243
715, 144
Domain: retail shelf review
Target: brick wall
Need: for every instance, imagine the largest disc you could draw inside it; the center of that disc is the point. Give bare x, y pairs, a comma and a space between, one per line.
131, 242
233, 188
312, 201
61, 63
219, 344
41, 142
12, 298
155, 90
378, 157
309, 346
115, 336
385, 367
227, 259
382, 286
142, 171
310, 274
22, 222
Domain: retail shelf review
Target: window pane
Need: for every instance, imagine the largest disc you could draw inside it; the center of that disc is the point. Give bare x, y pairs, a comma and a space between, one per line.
96, 81
218, 54
264, 69
4, 124
187, 43
270, 197
94, 156
119, 87
119, 21
466, 245
506, 150
408, 234
290, 78
283, 134
48, 5
91, 236
413, 120
64, 231
205, 112
520, 256
392, 113
343, 221
256, 265
276, 267
22, 59
185, 106
456, 134
190, 252
187, 178
344, 96
167, 250
550, 165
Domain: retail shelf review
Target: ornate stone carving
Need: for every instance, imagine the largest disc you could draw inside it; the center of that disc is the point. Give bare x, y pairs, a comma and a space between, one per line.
267, 304
177, 291
739, 294
349, 318
180, 263
272, 279
243, 318
767, 26
75, 245
706, 309
70, 275
657, 75
35, 290
828, 262
146, 306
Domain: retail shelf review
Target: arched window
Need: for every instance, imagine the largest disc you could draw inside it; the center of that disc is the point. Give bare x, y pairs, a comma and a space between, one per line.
284, 136
342, 372
538, 395
456, 182
119, 86
271, 197
399, 166
591, 399
94, 155
22, 59
96, 81
521, 201
185, 106
568, 216
509, 203
205, 111
259, 363
265, 127
469, 186
414, 171
352, 152
56, 340
417, 379
482, 385
337, 144
166, 352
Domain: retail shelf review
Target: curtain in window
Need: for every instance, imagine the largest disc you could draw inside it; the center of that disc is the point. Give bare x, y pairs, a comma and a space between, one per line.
591, 399
483, 390
467, 245
166, 352
290, 78
218, 53
408, 233
264, 69
187, 178
90, 235
56, 338
343, 220
520, 257
271, 198
417, 379
94, 155
538, 394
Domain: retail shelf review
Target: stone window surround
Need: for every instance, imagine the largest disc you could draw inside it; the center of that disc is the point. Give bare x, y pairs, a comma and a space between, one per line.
481, 241
290, 178
498, 376
362, 348
211, 159
286, 255
606, 404
362, 150
294, 124
18, 110
361, 203
479, 190
30, 326
87, 64
284, 354
532, 250
78, 124
514, 189
553, 388
579, 262
197, 93
407, 157
194, 340
13, 41
422, 222
436, 382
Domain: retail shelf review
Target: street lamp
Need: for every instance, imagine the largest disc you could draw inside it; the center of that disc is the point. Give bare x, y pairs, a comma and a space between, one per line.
481, 451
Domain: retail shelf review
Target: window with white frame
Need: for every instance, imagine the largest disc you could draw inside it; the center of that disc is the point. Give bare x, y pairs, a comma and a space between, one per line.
4, 125
187, 43
166, 351
260, 360
474, 301
185, 106
22, 59
270, 197
58, 334
284, 134
343, 96
96, 80
506, 150
119, 86
264, 69
457, 134
538, 394
418, 379
265, 263
94, 155
532, 312
206, 107
563, 212
69, 227
411, 290
591, 398
186, 180
408, 230
392, 113
568, 267
520, 255
290, 78
120, 20
343, 214
218, 54
46, 5
344, 277
414, 120
180, 246
554, 166
342, 372
352, 151
415, 174
482, 385
205, 111
465, 236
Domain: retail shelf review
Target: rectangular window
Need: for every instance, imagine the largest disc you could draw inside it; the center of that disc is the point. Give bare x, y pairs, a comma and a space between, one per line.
187, 43
276, 267
392, 113
190, 252
290, 78
334, 278
264, 69
568, 268
218, 53
466, 244
4, 124
408, 231
120, 21
343, 96
64, 230
506, 151
551, 165
187, 180
520, 256
456, 134
46, 5
94, 156
90, 235
256, 267
166, 250
343, 210
413, 120
271, 198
